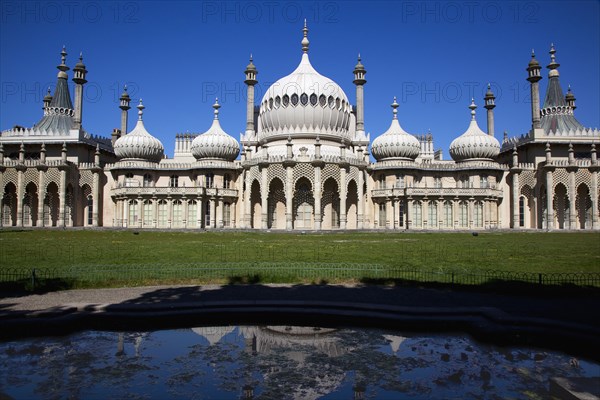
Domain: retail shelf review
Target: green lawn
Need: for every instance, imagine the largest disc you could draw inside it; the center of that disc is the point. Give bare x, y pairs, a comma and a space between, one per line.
122, 257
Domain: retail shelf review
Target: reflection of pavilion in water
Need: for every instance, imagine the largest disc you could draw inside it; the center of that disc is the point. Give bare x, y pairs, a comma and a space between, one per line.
299, 345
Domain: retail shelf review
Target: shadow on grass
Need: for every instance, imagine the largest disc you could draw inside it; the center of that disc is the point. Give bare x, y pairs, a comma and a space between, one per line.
244, 279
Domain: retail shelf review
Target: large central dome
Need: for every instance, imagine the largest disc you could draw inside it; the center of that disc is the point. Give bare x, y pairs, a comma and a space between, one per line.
304, 104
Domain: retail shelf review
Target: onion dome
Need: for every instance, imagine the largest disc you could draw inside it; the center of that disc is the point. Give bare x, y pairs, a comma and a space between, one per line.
474, 144
139, 144
395, 143
305, 103
215, 142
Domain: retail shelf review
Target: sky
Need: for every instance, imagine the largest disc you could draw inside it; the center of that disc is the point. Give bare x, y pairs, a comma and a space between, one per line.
179, 55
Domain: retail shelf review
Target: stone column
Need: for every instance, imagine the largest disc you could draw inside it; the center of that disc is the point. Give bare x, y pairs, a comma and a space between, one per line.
289, 198
389, 214
317, 195
95, 199
213, 210
549, 200
20, 193
360, 207
572, 199
264, 199
395, 213
515, 201
41, 197
125, 213
247, 201
595, 199
343, 195
62, 197
220, 213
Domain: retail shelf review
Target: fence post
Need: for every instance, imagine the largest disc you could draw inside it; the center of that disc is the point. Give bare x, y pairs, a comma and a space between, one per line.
540, 278
33, 279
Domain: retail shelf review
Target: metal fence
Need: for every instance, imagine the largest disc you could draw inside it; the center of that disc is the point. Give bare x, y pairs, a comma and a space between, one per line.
281, 272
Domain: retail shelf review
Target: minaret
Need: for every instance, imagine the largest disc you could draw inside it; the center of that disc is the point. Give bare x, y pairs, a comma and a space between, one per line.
359, 81
47, 99
489, 106
570, 99
79, 73
124, 106
251, 73
534, 77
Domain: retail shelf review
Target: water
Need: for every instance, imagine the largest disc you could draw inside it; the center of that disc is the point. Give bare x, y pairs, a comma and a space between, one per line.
277, 362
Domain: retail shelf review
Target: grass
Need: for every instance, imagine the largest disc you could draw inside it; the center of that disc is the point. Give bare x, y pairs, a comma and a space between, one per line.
111, 258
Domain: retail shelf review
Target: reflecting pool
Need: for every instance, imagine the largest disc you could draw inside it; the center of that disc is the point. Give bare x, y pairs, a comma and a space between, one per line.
277, 362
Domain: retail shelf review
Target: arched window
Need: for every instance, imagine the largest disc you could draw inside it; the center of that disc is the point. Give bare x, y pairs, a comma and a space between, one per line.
432, 214
162, 214
401, 212
417, 214
478, 214
483, 181
192, 218
133, 213
399, 181
522, 211
448, 219
177, 214
382, 216
147, 214
174, 181
90, 210
207, 213
130, 180
437, 182
226, 214
381, 181
463, 214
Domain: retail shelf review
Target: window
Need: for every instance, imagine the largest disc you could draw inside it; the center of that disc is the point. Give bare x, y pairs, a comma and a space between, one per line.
285, 100
226, 181
130, 181
177, 214
192, 214
382, 216
382, 181
174, 181
437, 182
147, 214
207, 214
162, 214
463, 214
133, 215
209, 180
521, 211
294, 99
147, 180
448, 220
432, 215
226, 214
418, 214
483, 181
90, 210
401, 211
478, 214
304, 99
399, 181
313, 100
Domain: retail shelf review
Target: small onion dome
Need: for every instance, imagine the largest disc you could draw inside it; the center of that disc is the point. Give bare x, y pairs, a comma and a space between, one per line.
139, 144
80, 65
215, 142
48, 96
251, 66
474, 144
124, 95
533, 62
395, 143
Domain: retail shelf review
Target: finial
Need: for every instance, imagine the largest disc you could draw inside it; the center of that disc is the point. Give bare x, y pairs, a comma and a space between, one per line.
140, 107
570, 147
81, 56
250, 57
48, 91
63, 55
64, 147
359, 59
97, 148
532, 53
472, 106
22, 147
63, 66
547, 147
216, 106
305, 41
43, 147
394, 108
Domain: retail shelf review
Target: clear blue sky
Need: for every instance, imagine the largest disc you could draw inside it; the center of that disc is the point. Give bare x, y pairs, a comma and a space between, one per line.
179, 56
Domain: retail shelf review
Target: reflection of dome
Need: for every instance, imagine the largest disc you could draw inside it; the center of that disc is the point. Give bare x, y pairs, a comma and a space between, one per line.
304, 102
215, 142
474, 144
395, 143
213, 333
139, 144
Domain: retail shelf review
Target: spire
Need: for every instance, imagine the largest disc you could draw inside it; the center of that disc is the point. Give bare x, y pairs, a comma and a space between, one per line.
216, 106
394, 108
553, 66
140, 107
472, 106
305, 41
